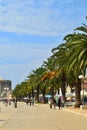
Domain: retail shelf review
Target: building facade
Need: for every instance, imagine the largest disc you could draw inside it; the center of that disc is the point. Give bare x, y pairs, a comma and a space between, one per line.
5, 88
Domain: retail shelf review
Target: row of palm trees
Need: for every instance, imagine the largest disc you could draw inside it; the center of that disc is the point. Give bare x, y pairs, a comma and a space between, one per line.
62, 68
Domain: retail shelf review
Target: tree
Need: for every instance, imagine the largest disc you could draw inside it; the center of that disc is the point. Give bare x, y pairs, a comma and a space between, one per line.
50, 74
64, 54
60, 56
35, 81
77, 61
17, 92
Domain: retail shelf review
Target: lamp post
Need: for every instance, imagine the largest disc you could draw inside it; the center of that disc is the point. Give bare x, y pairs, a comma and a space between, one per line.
82, 79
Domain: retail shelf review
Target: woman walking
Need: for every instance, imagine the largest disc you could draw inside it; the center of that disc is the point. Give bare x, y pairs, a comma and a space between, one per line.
59, 102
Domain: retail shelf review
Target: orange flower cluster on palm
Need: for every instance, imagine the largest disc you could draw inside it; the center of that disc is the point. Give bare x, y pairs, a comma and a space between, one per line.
48, 75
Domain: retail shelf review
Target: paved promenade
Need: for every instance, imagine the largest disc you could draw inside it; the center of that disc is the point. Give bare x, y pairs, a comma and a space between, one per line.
41, 117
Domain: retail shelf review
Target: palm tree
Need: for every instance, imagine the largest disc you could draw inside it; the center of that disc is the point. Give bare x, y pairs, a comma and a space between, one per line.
31, 83
60, 56
38, 75
25, 90
77, 42
82, 44
17, 92
50, 73
35, 81
63, 55
77, 61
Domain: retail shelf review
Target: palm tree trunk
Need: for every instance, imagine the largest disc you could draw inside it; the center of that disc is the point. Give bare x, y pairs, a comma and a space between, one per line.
32, 92
44, 92
63, 87
77, 94
37, 98
52, 91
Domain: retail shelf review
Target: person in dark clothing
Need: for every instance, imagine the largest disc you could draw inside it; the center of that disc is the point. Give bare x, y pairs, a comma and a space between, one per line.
51, 102
59, 102
27, 101
54, 103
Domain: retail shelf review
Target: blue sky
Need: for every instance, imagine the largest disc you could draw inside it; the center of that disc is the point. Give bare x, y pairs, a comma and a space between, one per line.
29, 29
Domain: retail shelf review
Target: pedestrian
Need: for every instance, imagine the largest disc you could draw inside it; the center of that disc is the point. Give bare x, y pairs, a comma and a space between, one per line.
27, 101
59, 102
50, 102
54, 103
30, 101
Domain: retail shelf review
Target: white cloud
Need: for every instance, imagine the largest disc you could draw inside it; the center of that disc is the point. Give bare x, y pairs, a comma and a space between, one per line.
18, 56
39, 18
17, 60
23, 51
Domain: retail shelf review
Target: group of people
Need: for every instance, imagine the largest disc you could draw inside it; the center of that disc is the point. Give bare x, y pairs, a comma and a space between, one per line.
30, 101
53, 102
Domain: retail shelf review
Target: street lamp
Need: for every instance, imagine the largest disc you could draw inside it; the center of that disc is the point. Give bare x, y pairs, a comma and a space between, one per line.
82, 79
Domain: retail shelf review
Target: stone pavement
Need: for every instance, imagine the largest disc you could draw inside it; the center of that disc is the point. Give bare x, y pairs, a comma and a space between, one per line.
40, 117
77, 111
6, 112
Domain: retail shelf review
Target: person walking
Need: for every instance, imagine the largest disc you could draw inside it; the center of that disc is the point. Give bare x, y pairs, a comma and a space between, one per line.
32, 101
51, 102
59, 102
27, 101
54, 103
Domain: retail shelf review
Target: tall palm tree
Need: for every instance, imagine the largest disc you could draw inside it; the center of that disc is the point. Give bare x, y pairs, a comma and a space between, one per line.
64, 56
35, 81
82, 44
77, 61
31, 83
38, 75
17, 92
60, 56
78, 52
50, 73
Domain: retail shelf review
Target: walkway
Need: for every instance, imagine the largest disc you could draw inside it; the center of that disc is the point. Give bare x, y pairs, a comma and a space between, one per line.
41, 117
